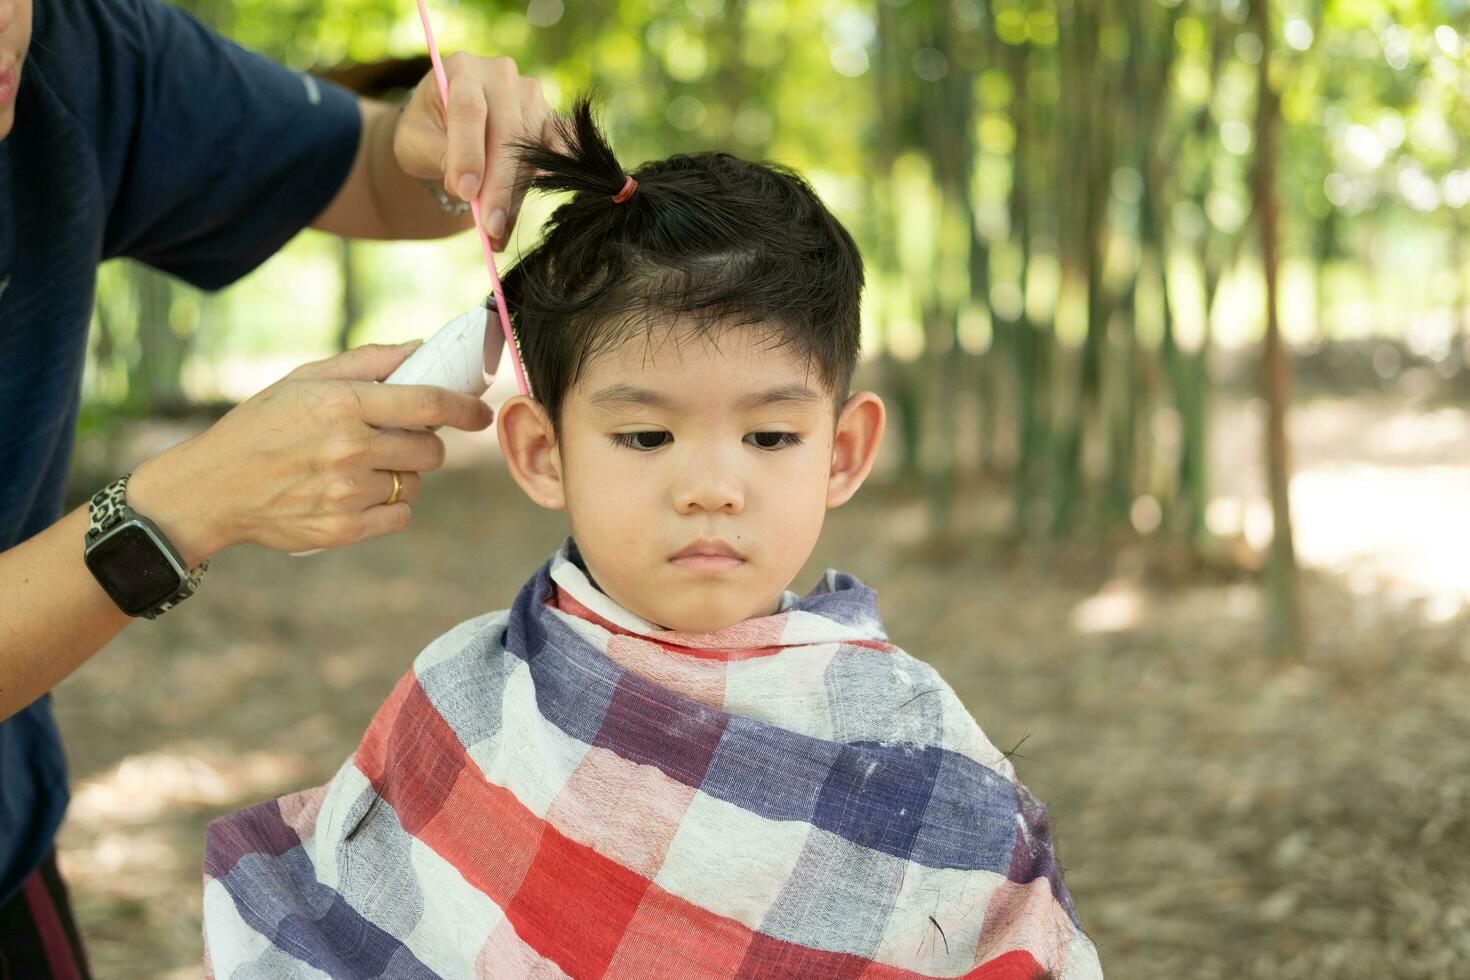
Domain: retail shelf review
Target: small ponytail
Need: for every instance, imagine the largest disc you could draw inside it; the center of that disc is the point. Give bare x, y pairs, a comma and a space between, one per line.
585, 162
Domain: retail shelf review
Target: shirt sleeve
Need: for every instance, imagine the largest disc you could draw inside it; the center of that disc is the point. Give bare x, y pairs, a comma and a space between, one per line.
230, 154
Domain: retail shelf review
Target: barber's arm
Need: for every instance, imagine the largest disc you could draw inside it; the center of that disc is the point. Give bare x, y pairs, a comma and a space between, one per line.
464, 150
304, 464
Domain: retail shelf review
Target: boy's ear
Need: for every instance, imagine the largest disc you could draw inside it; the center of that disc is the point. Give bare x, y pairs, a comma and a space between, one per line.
529, 444
854, 445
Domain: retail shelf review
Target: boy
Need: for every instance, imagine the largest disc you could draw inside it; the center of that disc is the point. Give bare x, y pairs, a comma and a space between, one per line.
659, 761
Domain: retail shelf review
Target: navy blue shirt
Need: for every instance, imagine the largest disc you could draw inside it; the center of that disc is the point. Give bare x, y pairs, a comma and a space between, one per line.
137, 133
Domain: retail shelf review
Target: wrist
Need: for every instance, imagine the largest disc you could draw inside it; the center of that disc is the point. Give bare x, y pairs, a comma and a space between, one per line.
163, 491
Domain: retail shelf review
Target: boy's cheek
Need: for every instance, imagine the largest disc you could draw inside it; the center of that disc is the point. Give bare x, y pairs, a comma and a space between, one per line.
614, 529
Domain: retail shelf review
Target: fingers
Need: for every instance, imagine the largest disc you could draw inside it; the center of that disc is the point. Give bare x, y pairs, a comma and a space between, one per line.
490, 104
346, 494
411, 485
464, 168
420, 406
536, 122
419, 138
420, 452
383, 519
507, 122
354, 509
374, 522
353, 505
370, 362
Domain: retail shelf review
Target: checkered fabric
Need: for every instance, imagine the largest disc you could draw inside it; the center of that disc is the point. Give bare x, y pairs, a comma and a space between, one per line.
564, 789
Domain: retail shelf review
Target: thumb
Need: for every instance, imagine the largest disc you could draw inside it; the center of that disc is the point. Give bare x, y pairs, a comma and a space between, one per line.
370, 362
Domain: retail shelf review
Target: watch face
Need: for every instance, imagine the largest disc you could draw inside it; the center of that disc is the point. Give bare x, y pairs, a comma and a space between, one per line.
133, 569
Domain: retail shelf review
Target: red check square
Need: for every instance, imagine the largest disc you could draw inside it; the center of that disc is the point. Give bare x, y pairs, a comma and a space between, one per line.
485, 832
574, 905
671, 937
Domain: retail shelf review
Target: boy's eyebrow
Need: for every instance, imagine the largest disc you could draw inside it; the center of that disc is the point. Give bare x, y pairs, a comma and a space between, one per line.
626, 394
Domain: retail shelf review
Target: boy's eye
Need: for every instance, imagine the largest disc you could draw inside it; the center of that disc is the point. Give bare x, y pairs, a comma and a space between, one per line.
654, 438
636, 440
775, 440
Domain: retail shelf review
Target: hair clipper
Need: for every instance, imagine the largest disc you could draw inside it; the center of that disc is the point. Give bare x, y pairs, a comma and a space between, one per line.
462, 355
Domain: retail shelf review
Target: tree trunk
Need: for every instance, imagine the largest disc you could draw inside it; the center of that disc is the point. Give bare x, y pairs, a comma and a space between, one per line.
1283, 621
1087, 84
1324, 247
155, 378
1462, 283
896, 376
1027, 343
351, 294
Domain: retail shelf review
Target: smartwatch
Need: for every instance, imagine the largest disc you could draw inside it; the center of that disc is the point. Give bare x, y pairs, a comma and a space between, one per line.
136, 565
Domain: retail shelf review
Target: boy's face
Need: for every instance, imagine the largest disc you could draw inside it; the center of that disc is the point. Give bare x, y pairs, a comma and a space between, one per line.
681, 443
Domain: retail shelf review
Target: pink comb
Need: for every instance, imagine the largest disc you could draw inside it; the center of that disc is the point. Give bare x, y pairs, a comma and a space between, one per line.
500, 305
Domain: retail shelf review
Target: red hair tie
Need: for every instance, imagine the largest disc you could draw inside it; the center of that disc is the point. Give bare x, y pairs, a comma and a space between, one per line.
629, 186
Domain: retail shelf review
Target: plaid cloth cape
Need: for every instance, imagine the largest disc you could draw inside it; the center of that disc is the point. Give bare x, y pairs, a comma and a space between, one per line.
564, 789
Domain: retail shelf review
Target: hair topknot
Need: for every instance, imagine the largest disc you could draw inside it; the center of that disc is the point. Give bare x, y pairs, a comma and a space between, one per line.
708, 239
579, 159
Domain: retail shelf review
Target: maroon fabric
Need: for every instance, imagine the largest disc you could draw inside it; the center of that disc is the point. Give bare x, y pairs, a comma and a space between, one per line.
38, 933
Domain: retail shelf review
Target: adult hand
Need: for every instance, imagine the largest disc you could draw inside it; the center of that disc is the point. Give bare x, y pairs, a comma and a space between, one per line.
305, 463
465, 143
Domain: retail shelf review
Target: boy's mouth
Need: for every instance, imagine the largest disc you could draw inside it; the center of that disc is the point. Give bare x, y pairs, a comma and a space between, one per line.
708, 563
708, 555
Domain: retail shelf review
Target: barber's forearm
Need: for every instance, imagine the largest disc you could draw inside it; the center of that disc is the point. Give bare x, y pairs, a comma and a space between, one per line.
55, 615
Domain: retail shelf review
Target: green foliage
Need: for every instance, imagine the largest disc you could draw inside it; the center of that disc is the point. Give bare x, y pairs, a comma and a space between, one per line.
1069, 173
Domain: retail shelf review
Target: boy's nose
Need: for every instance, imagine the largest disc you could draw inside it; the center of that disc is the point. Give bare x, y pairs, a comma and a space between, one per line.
710, 488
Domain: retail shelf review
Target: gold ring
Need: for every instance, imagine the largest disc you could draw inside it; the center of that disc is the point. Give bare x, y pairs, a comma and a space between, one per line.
397, 489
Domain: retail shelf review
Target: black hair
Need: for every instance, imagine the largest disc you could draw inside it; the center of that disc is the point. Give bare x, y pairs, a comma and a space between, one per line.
708, 238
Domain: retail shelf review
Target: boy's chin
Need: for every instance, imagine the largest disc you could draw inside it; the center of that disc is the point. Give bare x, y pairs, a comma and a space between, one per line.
698, 620
677, 622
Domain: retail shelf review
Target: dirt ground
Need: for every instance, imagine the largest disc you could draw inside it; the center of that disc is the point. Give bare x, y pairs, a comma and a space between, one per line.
1219, 814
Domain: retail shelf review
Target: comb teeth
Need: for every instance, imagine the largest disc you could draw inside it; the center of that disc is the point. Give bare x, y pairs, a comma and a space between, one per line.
494, 343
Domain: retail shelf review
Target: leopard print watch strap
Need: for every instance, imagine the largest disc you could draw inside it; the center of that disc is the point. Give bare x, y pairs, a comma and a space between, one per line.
106, 511
107, 507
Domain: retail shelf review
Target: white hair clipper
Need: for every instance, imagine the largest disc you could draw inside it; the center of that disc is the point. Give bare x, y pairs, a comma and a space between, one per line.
462, 355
